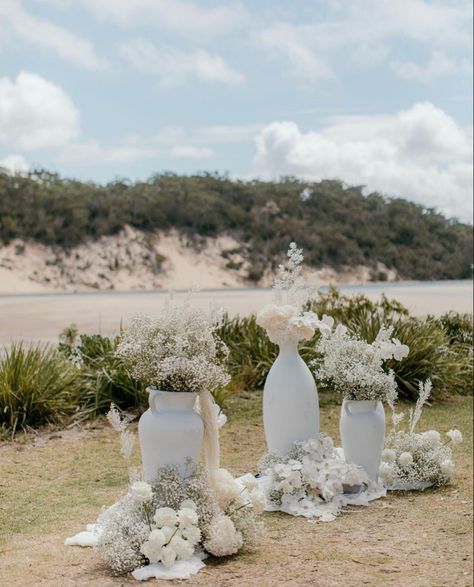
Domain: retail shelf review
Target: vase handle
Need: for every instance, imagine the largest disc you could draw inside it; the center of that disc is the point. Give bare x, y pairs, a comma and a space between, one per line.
346, 408
151, 400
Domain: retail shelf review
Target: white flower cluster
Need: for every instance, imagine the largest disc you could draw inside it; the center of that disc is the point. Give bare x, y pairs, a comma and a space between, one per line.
414, 460
313, 473
286, 324
236, 525
174, 534
172, 518
354, 368
176, 351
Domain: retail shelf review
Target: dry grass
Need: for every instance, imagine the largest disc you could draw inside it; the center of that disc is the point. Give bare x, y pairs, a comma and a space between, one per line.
50, 490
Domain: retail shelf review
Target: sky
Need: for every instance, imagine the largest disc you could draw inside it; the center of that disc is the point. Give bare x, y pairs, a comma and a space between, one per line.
376, 93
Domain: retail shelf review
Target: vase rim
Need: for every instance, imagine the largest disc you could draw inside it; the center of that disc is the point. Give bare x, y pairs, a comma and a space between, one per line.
151, 388
361, 401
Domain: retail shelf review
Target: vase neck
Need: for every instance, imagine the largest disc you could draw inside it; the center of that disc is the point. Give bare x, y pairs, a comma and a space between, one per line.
288, 348
171, 401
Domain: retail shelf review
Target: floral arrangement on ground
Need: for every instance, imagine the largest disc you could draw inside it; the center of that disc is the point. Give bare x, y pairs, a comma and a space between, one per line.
165, 528
417, 460
314, 480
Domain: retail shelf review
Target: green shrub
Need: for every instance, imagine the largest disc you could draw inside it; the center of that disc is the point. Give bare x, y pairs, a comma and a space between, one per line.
458, 327
104, 377
434, 353
251, 352
37, 386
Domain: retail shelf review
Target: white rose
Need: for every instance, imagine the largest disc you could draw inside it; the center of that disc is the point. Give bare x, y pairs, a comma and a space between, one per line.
455, 436
192, 534
168, 532
153, 546
224, 539
227, 488
183, 549
168, 556
386, 473
249, 481
142, 491
389, 455
405, 459
165, 517
447, 468
187, 517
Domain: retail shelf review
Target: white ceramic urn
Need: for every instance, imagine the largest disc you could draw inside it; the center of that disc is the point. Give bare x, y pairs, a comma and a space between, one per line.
362, 428
170, 432
290, 401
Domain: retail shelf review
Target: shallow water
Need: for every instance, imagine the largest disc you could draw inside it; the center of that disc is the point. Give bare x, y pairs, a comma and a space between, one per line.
40, 317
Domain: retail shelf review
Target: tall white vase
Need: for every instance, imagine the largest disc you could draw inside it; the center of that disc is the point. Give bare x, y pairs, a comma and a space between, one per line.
362, 428
290, 401
170, 432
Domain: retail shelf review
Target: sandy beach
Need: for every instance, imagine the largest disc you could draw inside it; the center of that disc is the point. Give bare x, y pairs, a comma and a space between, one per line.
42, 317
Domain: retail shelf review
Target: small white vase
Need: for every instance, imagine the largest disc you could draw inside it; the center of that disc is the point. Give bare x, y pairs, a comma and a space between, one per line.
362, 428
170, 432
290, 401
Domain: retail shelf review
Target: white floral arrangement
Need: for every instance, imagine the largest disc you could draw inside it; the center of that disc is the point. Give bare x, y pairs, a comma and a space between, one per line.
174, 518
311, 480
417, 460
354, 368
285, 323
178, 350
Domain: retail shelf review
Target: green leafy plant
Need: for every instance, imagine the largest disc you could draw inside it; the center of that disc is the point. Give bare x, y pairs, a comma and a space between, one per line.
37, 386
105, 379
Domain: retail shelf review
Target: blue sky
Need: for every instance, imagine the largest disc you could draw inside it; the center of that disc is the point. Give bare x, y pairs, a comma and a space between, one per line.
373, 92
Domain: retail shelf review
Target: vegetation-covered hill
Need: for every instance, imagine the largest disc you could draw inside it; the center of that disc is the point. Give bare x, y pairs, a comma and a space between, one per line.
337, 225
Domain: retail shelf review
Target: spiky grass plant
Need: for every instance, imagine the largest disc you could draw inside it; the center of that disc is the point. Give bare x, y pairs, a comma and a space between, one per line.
37, 386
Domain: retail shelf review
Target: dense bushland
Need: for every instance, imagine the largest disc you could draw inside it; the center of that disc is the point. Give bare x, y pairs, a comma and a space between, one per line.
336, 225
83, 376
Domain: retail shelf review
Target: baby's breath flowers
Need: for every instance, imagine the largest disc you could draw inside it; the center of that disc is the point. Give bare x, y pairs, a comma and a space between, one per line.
416, 460
178, 350
173, 518
176, 517
354, 368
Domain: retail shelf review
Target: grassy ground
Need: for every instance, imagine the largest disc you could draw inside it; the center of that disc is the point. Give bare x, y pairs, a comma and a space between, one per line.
51, 488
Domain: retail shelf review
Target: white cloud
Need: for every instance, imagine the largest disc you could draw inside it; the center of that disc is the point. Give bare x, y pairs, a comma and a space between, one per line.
191, 152
368, 31
14, 164
35, 113
173, 67
180, 16
439, 65
419, 153
15, 21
